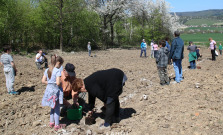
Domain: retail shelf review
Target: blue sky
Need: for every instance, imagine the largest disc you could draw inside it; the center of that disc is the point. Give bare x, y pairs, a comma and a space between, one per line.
194, 5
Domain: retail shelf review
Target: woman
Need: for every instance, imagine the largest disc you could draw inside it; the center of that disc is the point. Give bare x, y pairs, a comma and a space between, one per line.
212, 47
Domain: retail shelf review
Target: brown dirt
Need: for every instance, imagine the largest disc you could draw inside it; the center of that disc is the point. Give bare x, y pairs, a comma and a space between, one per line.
193, 107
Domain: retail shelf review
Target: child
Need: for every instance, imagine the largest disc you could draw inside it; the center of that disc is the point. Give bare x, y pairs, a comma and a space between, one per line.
77, 87
9, 69
155, 47
53, 96
220, 49
192, 55
162, 61
198, 53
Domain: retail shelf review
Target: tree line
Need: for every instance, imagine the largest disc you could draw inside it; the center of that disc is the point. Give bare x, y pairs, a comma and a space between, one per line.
69, 24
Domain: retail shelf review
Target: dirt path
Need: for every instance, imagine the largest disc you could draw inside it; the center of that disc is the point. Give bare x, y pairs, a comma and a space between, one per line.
193, 107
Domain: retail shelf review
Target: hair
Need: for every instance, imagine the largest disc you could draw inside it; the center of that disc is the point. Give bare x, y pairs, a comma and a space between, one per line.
6, 48
53, 63
167, 38
210, 39
163, 43
53, 59
177, 33
77, 84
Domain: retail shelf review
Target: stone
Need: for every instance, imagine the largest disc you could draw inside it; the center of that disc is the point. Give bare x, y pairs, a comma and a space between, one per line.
37, 123
88, 132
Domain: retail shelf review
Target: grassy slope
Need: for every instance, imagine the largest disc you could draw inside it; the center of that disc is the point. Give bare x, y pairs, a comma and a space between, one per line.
202, 37
201, 21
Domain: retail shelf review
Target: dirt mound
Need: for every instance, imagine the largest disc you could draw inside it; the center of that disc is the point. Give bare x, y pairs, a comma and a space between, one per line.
191, 107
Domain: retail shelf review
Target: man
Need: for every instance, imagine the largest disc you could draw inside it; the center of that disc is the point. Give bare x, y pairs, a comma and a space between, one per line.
143, 47
89, 48
152, 49
106, 85
40, 59
176, 55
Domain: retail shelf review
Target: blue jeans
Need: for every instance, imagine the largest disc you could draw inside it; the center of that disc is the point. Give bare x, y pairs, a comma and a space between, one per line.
192, 64
143, 50
89, 52
177, 64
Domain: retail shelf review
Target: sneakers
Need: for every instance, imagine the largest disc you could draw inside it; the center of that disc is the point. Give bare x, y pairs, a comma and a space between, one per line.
60, 126
51, 125
14, 93
105, 127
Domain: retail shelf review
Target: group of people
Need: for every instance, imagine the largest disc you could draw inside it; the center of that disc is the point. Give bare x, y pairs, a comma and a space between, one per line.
106, 85
63, 85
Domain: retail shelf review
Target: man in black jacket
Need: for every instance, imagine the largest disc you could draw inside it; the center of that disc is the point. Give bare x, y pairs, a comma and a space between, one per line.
106, 85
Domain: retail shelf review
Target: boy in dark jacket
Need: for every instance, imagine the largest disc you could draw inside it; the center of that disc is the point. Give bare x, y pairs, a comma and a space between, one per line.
162, 61
106, 85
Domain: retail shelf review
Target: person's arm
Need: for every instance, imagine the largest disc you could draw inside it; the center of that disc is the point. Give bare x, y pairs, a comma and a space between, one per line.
172, 49
75, 97
58, 82
91, 101
13, 66
38, 56
44, 80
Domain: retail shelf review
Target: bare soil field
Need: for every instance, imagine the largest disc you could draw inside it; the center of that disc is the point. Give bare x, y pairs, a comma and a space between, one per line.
193, 107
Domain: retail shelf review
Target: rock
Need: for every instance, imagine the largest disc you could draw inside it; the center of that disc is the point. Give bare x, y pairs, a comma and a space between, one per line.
37, 123
88, 132
72, 52
166, 126
145, 97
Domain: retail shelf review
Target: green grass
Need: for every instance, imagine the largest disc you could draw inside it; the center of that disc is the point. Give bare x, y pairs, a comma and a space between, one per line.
202, 21
203, 38
205, 28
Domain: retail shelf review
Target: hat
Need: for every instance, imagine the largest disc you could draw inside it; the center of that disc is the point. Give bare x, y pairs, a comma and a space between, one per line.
70, 69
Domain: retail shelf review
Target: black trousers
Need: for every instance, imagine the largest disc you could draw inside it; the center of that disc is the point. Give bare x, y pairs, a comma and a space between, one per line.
112, 112
213, 54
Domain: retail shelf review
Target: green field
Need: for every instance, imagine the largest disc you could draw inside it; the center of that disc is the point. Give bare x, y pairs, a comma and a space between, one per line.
203, 38
205, 28
202, 21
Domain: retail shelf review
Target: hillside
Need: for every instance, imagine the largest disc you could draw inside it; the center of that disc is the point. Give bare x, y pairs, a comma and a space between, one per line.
204, 13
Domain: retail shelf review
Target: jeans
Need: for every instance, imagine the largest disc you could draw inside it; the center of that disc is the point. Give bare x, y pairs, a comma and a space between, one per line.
10, 78
152, 53
192, 64
143, 50
112, 111
89, 52
177, 64
155, 53
38, 64
213, 54
220, 52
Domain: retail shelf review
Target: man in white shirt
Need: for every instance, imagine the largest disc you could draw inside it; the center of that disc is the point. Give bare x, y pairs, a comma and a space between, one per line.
40, 59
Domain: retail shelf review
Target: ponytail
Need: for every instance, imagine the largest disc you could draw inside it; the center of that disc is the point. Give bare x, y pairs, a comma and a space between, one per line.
54, 60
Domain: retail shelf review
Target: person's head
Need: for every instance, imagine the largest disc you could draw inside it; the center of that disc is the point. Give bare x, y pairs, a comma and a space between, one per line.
162, 43
7, 49
40, 51
59, 62
89, 43
69, 70
56, 63
167, 39
176, 33
53, 59
77, 85
210, 39
190, 43
220, 43
143, 40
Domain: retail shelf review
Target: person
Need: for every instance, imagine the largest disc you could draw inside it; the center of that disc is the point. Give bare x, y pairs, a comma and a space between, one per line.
40, 59
9, 69
106, 85
162, 61
143, 48
53, 96
220, 48
212, 48
198, 53
192, 55
155, 47
167, 44
152, 49
89, 48
176, 55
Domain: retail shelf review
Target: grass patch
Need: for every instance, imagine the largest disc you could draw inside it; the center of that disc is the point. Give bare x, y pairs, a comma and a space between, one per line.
202, 21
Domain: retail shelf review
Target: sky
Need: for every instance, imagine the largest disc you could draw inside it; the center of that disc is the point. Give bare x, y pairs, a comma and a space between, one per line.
194, 5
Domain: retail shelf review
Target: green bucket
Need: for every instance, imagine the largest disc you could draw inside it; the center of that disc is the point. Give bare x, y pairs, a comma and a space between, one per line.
74, 114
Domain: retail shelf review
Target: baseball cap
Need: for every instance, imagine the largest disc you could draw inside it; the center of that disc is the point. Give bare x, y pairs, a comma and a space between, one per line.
70, 69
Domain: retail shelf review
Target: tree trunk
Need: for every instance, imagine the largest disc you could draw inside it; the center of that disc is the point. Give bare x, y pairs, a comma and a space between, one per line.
105, 33
61, 25
112, 32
